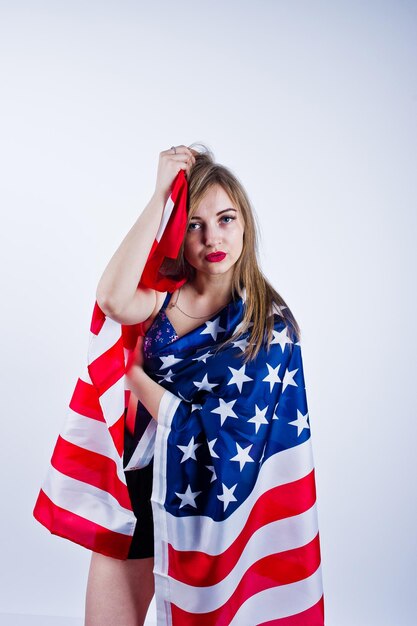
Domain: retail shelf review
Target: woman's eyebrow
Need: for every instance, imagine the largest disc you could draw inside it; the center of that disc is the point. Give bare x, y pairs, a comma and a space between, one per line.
196, 217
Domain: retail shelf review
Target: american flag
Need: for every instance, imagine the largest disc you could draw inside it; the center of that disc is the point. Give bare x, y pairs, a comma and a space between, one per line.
234, 498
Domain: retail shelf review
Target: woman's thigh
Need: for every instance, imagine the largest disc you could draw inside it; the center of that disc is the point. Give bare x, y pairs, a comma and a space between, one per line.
118, 592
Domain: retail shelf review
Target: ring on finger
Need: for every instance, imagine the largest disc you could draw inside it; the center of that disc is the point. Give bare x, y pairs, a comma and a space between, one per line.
174, 149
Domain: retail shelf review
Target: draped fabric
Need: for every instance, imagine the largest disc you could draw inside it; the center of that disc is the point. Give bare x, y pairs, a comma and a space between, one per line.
234, 497
234, 493
84, 496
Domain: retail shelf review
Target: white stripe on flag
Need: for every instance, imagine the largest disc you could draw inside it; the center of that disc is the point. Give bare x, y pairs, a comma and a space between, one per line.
85, 376
109, 334
144, 451
92, 435
165, 217
167, 407
112, 402
88, 502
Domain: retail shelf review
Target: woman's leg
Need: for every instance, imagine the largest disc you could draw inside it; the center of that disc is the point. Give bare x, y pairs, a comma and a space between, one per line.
118, 592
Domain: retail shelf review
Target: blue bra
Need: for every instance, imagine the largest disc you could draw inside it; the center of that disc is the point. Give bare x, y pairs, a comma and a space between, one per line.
161, 332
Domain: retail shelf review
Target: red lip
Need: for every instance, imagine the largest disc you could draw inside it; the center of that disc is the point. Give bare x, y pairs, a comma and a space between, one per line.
214, 257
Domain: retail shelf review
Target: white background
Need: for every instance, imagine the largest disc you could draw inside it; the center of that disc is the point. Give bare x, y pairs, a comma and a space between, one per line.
313, 105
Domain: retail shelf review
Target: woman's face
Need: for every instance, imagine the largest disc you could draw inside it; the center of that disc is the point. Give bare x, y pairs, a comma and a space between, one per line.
214, 239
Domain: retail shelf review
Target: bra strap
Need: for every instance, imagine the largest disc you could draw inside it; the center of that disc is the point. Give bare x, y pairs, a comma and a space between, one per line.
165, 303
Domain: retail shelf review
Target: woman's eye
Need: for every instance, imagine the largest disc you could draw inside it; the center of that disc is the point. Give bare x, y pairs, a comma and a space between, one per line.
225, 219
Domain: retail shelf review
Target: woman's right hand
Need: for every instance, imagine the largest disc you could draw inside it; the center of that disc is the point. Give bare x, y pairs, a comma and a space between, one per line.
168, 167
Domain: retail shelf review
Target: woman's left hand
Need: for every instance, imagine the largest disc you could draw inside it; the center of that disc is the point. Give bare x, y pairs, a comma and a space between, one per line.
140, 383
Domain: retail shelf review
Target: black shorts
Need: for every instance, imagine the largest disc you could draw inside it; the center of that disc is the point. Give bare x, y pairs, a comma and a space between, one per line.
139, 485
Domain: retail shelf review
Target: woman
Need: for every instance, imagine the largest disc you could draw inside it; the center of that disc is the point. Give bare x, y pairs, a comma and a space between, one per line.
224, 308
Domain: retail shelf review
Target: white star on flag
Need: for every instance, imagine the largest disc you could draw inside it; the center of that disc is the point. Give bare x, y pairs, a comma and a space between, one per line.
194, 407
204, 385
242, 455
289, 379
188, 497
189, 451
281, 338
224, 410
272, 378
241, 343
211, 446
169, 360
166, 377
211, 468
238, 377
213, 328
300, 422
202, 357
227, 497
240, 325
259, 417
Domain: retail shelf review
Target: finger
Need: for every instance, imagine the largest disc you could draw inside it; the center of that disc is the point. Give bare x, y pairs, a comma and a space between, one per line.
181, 158
178, 150
183, 148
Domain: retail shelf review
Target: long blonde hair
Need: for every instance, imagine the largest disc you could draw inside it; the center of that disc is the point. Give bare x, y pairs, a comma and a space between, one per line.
261, 299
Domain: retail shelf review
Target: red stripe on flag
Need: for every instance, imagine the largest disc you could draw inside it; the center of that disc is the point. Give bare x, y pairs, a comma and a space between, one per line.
275, 569
108, 368
91, 468
97, 319
130, 334
201, 569
87, 534
117, 433
85, 401
314, 616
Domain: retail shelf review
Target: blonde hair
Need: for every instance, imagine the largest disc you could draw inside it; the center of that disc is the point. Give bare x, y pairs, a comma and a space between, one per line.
261, 299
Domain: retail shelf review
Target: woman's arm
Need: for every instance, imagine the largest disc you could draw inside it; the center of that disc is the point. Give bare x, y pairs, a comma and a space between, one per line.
142, 385
146, 389
118, 283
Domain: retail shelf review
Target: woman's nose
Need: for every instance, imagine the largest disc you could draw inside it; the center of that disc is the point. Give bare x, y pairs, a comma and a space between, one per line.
212, 236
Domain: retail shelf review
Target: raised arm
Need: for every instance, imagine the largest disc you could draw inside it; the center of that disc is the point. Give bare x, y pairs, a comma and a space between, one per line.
117, 293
